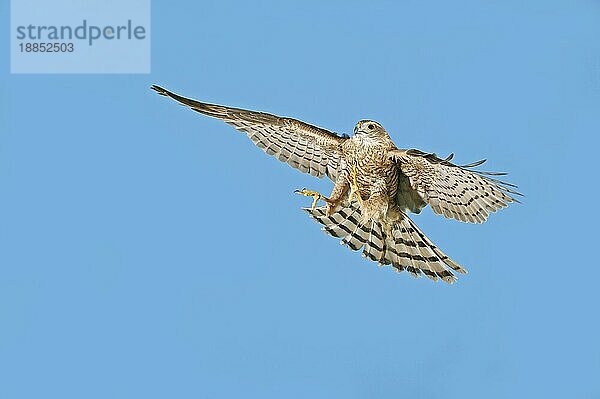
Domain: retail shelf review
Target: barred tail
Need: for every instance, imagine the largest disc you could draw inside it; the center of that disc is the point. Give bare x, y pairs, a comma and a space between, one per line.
399, 243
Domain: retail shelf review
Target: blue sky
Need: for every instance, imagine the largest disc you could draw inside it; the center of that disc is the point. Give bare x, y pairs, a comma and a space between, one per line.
148, 251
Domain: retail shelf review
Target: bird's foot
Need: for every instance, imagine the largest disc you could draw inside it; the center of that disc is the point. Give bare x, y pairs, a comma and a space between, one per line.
309, 193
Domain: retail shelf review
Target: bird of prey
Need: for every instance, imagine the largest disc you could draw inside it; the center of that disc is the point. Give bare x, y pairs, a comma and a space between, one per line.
376, 185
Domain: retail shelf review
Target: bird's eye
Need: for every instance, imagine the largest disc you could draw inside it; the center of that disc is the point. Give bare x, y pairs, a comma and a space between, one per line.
371, 127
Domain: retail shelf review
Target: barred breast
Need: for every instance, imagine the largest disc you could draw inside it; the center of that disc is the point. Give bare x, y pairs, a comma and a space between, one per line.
375, 172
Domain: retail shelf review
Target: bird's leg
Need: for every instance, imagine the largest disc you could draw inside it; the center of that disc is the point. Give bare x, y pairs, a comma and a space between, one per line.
316, 196
340, 188
354, 189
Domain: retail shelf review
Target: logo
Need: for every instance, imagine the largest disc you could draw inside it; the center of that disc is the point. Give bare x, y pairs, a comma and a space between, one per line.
59, 37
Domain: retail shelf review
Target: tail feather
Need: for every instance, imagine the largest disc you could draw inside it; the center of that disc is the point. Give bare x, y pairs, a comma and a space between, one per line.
419, 256
393, 255
404, 252
387, 255
375, 246
399, 243
357, 238
423, 254
438, 252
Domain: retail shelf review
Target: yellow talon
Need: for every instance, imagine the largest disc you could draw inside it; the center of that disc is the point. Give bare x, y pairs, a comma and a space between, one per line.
309, 193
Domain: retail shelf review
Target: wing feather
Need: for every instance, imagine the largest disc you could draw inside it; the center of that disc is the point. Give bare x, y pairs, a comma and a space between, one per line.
455, 191
308, 148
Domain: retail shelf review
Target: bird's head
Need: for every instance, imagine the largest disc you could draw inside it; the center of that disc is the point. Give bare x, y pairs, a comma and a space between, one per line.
370, 129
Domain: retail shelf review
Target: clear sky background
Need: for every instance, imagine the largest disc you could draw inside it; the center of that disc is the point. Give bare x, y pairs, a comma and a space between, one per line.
147, 251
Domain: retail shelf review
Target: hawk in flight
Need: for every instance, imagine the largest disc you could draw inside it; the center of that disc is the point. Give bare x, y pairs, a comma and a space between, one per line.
376, 185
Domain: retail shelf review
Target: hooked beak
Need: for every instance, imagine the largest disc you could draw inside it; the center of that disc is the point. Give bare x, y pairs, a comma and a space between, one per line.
356, 128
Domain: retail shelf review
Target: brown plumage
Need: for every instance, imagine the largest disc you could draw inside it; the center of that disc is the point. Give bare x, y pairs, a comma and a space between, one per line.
375, 185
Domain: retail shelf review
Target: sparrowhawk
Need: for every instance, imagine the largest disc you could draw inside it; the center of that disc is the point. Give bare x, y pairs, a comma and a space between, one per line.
375, 185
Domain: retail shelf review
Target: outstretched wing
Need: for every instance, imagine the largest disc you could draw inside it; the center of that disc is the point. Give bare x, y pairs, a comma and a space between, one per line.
307, 148
455, 191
